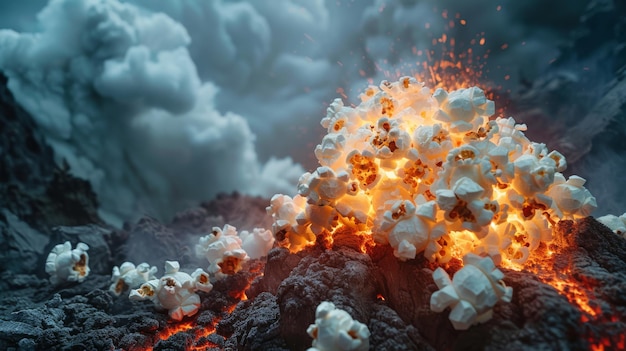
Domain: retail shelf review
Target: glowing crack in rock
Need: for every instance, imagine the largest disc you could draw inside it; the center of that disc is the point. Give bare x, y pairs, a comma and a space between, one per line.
335, 330
472, 292
174, 291
65, 264
435, 175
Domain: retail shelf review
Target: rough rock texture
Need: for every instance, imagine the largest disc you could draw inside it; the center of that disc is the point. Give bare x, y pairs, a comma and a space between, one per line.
570, 299
35, 194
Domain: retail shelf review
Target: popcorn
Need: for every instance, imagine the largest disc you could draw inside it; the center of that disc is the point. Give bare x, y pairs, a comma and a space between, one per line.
222, 248
339, 118
465, 203
410, 229
65, 264
127, 276
335, 330
571, 198
534, 172
432, 141
364, 168
615, 223
472, 292
329, 152
290, 224
175, 291
431, 175
390, 140
463, 109
324, 186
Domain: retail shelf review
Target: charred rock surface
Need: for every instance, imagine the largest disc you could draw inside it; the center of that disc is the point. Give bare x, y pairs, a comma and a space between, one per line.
391, 297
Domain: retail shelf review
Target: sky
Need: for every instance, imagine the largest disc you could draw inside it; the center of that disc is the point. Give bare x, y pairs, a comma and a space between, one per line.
163, 104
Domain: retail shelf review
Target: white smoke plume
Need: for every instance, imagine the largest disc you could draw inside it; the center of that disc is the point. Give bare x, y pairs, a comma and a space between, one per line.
120, 100
166, 103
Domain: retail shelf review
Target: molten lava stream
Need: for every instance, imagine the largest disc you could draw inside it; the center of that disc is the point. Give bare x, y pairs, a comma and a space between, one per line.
580, 294
200, 333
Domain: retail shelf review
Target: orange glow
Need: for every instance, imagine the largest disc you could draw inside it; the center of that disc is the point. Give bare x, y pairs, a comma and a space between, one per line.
570, 288
200, 333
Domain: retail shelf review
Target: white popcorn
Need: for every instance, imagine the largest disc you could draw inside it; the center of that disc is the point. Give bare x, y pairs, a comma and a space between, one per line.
290, 227
324, 186
534, 171
175, 291
571, 198
354, 205
465, 203
417, 175
472, 292
335, 330
329, 152
615, 223
432, 141
510, 135
319, 218
410, 229
430, 175
256, 243
127, 276
222, 248
463, 109
466, 162
363, 167
65, 264
390, 140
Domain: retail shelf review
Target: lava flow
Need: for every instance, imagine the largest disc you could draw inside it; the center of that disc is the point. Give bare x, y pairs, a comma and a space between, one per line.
219, 303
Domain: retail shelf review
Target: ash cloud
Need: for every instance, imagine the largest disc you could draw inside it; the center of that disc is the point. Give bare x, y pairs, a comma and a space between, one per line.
120, 100
161, 104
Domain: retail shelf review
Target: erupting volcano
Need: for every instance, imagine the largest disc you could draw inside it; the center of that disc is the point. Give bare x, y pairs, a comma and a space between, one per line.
431, 220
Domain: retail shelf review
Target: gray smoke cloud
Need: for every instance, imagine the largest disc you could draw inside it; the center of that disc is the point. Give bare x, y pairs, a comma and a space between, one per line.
120, 100
161, 104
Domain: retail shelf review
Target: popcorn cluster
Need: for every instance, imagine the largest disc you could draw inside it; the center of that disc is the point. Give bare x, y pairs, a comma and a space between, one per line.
335, 330
226, 250
175, 291
615, 223
432, 175
472, 293
65, 264
128, 276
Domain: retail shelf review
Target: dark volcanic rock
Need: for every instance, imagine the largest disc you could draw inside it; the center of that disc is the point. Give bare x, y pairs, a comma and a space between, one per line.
35, 194
261, 331
342, 277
